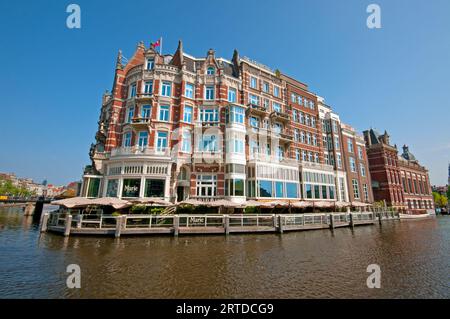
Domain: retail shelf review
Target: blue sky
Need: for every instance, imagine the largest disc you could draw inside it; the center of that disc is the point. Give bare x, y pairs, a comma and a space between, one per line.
394, 78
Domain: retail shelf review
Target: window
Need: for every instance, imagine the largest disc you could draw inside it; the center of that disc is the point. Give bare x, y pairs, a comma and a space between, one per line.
336, 143
265, 188
360, 153
253, 82
293, 98
266, 103
150, 64
279, 189
148, 87
297, 154
231, 95
355, 189
237, 114
291, 190
209, 93
324, 192
131, 187
209, 115
308, 190
280, 152
296, 135
266, 87
112, 188
166, 89
339, 160
130, 114
236, 145
164, 113
350, 145
186, 144
310, 156
276, 107
206, 185
366, 192
307, 120
294, 115
299, 100
161, 141
146, 111
143, 139
277, 128
234, 187
308, 138
189, 90
316, 157
253, 99
154, 188
254, 122
352, 164
316, 191
363, 170
302, 137
208, 143
187, 115
302, 118
210, 70
132, 90
304, 157
314, 140
331, 191
127, 139
276, 91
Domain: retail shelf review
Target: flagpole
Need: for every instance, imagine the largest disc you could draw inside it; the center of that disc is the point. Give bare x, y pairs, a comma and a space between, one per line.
160, 47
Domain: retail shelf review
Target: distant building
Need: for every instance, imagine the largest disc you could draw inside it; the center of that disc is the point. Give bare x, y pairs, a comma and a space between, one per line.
400, 181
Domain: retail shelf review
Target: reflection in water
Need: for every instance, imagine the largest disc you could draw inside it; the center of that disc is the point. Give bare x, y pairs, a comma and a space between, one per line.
413, 256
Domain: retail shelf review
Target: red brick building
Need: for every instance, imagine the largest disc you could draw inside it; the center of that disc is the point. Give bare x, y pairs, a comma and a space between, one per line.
178, 126
400, 181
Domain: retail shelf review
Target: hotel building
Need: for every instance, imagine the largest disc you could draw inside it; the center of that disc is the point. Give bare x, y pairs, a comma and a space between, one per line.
177, 126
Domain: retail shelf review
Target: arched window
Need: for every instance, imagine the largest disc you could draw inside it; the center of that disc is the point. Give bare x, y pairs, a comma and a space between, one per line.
211, 70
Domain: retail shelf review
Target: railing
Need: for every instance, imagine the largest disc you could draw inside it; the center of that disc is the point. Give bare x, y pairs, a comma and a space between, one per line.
136, 150
95, 223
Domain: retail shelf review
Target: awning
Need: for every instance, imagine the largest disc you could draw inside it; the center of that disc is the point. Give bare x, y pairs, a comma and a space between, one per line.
359, 204
223, 203
302, 204
115, 202
323, 204
152, 202
73, 202
192, 202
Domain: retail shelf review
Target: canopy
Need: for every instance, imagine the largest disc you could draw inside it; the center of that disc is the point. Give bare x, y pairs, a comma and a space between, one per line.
251, 203
342, 204
73, 202
359, 204
115, 202
278, 203
302, 204
153, 202
323, 204
193, 202
223, 203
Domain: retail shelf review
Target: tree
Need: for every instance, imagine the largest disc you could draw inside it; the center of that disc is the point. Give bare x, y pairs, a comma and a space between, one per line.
440, 200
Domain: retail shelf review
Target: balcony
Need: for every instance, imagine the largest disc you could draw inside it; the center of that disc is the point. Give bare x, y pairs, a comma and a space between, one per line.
256, 110
283, 117
318, 166
144, 97
271, 158
140, 122
284, 136
133, 151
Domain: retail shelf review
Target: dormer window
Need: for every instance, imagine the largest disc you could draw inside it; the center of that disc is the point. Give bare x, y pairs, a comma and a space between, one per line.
150, 63
211, 70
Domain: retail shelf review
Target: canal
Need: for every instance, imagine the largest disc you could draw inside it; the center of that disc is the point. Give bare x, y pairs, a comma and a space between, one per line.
414, 257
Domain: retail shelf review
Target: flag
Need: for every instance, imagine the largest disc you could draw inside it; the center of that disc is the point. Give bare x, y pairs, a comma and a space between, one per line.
156, 44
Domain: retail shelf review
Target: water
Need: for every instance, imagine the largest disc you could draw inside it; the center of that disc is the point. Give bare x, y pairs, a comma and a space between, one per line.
414, 257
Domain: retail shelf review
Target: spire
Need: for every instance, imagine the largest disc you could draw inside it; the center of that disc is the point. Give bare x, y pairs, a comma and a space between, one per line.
119, 65
178, 58
235, 61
